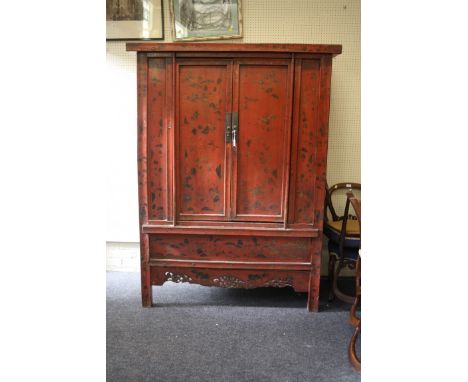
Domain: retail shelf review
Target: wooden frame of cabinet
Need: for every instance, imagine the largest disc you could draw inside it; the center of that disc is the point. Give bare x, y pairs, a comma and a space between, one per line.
232, 147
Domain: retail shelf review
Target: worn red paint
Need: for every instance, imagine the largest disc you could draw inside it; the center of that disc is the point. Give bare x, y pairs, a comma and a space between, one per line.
214, 213
306, 129
263, 106
157, 140
202, 105
231, 248
231, 278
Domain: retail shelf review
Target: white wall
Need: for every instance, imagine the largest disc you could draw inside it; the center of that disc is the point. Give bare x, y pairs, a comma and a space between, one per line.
122, 192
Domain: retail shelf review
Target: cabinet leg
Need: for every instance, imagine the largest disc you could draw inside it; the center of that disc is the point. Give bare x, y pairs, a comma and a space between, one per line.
146, 290
312, 302
147, 296
313, 297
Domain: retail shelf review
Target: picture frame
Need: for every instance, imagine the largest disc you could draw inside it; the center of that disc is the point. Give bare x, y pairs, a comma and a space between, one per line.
193, 20
129, 20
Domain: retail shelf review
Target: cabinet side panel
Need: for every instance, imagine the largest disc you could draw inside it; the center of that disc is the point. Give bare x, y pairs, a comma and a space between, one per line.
306, 124
322, 138
157, 140
142, 93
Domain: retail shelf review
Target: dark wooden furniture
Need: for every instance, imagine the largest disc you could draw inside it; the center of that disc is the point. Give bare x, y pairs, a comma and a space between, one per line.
344, 239
355, 321
232, 149
353, 317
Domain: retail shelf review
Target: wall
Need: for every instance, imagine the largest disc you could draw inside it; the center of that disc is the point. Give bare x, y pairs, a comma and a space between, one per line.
264, 21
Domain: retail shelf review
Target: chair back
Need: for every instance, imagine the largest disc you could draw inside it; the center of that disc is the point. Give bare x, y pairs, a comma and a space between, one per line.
335, 199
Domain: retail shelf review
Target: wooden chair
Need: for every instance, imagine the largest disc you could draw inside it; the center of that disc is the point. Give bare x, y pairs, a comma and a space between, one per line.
344, 240
353, 317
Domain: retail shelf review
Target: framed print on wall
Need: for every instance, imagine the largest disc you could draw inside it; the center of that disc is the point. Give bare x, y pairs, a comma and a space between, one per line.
134, 20
206, 19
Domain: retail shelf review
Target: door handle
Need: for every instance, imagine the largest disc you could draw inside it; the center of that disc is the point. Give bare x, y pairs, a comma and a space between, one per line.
235, 128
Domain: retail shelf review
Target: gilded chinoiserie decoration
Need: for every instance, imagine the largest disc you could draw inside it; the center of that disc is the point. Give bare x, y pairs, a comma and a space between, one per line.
234, 282
177, 278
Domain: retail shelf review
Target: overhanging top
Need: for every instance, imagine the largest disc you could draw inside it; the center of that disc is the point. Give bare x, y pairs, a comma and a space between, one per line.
216, 47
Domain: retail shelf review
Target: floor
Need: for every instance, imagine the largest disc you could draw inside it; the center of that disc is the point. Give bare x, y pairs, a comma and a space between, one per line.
198, 333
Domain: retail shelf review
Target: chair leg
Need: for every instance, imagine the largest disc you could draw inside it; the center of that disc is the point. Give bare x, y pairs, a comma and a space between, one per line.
353, 358
339, 294
353, 318
331, 273
352, 314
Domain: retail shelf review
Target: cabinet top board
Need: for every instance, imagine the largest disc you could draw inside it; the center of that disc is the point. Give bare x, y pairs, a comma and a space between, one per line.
218, 47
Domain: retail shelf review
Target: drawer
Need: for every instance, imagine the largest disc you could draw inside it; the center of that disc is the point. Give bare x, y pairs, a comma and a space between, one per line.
230, 248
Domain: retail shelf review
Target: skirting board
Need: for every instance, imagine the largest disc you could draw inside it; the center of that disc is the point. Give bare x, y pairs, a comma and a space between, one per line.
122, 257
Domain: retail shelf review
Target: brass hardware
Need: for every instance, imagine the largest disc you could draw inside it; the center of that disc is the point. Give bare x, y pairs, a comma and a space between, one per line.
235, 128
228, 128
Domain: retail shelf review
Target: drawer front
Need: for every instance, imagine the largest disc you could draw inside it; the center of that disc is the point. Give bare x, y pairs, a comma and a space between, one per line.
229, 248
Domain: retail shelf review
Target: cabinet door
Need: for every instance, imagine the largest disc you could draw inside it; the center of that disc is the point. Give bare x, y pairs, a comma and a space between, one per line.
262, 105
203, 97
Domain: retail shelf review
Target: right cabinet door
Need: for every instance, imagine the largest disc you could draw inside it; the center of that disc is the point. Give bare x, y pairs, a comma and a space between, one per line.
261, 123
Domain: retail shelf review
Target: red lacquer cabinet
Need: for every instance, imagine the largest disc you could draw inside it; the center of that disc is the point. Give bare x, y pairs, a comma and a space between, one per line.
232, 149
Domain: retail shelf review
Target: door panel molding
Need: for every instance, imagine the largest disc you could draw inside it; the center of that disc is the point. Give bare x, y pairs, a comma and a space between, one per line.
262, 97
203, 97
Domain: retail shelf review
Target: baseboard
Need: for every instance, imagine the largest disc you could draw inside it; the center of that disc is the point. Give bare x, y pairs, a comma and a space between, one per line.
122, 257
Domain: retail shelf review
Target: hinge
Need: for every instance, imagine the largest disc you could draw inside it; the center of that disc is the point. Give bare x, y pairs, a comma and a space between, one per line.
228, 128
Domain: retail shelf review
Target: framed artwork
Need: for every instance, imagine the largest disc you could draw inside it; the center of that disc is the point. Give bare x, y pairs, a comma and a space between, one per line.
206, 19
134, 20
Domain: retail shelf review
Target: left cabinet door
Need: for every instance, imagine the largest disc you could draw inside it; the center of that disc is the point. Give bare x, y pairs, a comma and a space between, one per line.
203, 99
